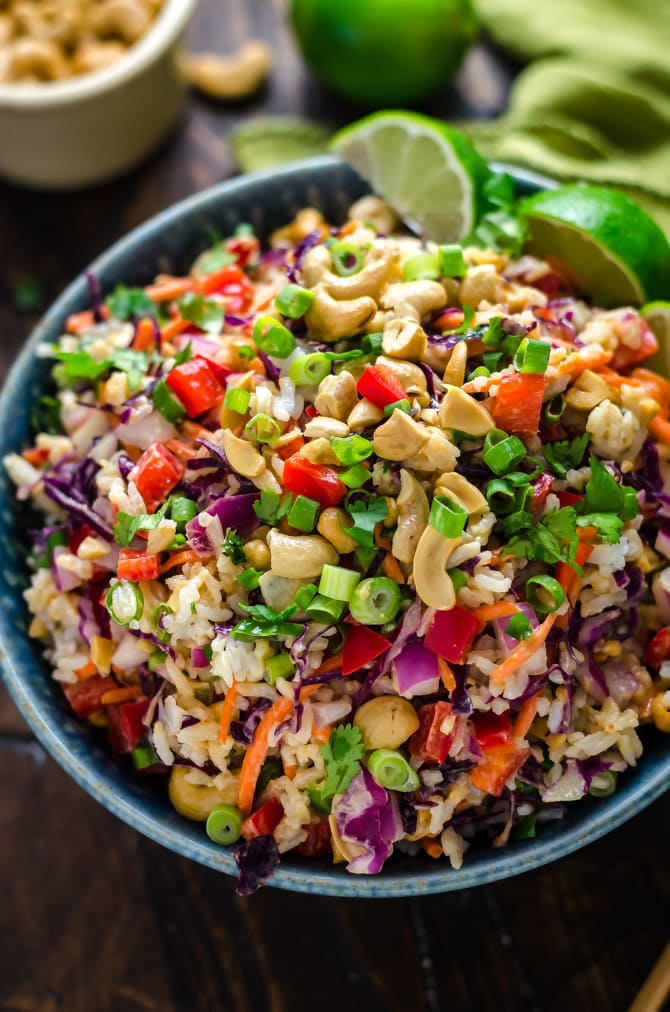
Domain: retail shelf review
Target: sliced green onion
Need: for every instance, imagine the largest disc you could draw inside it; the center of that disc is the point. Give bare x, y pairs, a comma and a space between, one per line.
272, 337
351, 449
552, 411
544, 593
182, 509
237, 399
604, 784
401, 405
262, 428
355, 477
156, 615
144, 756
423, 267
372, 343
156, 658
452, 262
224, 824
493, 360
304, 595
502, 452
165, 401
519, 627
125, 602
532, 356
55, 540
447, 516
392, 771
303, 513
309, 370
338, 582
501, 496
511, 344
325, 609
375, 601
458, 578
279, 666
347, 259
250, 578
481, 370
525, 828
246, 352
294, 301
244, 228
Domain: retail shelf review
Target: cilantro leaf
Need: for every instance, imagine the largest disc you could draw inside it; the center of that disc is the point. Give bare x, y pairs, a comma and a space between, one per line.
45, 416
78, 367
366, 516
500, 226
233, 547
208, 314
553, 539
342, 755
125, 303
265, 623
127, 525
565, 455
604, 494
270, 508
609, 525
214, 259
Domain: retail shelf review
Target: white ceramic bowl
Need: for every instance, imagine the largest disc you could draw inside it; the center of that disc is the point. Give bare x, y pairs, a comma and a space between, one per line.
94, 126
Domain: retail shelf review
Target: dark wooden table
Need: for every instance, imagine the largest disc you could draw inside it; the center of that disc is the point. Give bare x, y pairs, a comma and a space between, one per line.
95, 918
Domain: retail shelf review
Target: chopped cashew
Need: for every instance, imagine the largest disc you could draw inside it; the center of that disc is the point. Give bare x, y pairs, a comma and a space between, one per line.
413, 513
336, 396
460, 411
324, 426
299, 556
319, 451
431, 579
404, 339
400, 437
456, 486
365, 413
412, 378
331, 524
454, 373
438, 453
242, 456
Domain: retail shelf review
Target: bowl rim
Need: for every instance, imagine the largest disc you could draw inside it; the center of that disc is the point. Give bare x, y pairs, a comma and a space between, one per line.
171, 21
608, 814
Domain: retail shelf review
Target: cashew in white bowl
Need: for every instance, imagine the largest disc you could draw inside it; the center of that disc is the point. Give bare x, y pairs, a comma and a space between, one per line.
298, 556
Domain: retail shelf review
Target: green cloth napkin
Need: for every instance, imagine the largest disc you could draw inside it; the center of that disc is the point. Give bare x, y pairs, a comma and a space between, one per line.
594, 103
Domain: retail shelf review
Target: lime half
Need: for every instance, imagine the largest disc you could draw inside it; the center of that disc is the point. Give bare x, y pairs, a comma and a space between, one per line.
428, 172
603, 240
657, 315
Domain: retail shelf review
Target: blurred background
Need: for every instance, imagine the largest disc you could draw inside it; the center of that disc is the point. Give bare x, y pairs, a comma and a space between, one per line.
97, 918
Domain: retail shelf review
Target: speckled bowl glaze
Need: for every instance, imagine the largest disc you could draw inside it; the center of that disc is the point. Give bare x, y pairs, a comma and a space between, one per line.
170, 242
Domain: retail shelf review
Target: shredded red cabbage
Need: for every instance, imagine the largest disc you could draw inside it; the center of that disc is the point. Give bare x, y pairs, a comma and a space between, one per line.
256, 860
74, 503
367, 818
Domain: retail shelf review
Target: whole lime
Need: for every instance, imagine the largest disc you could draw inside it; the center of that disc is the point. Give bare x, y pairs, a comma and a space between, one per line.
384, 52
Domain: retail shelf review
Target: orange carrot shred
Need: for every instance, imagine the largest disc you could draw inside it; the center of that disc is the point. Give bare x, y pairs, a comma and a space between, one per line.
524, 651
290, 770
333, 663
660, 429
169, 288
227, 712
87, 670
173, 328
432, 847
144, 335
322, 734
181, 558
446, 674
392, 569
255, 755
499, 609
525, 718
121, 695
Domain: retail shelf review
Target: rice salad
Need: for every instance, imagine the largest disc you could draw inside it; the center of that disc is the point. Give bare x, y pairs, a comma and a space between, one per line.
361, 542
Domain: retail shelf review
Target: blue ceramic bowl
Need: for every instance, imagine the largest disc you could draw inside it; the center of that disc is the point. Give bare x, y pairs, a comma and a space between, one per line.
170, 242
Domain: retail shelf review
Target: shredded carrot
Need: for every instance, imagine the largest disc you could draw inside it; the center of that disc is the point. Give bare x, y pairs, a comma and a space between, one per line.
255, 755
656, 386
382, 542
87, 670
500, 609
173, 328
181, 449
169, 288
392, 569
121, 695
82, 321
144, 335
569, 580
227, 712
181, 558
322, 734
525, 718
523, 652
432, 847
614, 379
35, 456
307, 691
660, 429
290, 770
575, 365
446, 674
333, 663
196, 431
347, 229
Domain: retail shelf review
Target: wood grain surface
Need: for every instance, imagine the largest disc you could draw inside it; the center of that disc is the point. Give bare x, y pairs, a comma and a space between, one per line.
95, 918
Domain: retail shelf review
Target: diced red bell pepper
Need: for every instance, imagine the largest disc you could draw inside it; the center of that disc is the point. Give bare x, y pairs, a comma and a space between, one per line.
624, 357
318, 842
568, 498
500, 763
451, 633
492, 729
222, 372
518, 403
551, 284
136, 565
659, 648
196, 386
76, 537
430, 743
361, 645
264, 821
245, 247
541, 488
380, 385
84, 696
302, 477
158, 471
124, 724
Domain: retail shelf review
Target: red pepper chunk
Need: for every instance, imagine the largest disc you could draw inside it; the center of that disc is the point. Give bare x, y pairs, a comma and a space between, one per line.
196, 386
264, 821
85, 697
361, 645
124, 724
502, 757
430, 743
451, 633
158, 471
136, 565
518, 404
568, 498
318, 842
380, 385
492, 729
659, 648
315, 481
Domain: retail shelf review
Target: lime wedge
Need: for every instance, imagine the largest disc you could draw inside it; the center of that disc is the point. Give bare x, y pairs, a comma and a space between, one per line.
611, 249
657, 315
428, 172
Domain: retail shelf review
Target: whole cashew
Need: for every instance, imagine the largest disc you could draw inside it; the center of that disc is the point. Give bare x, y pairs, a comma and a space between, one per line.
242, 456
456, 486
413, 299
431, 579
299, 556
229, 77
329, 320
37, 59
195, 801
369, 280
124, 19
374, 211
412, 517
412, 378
